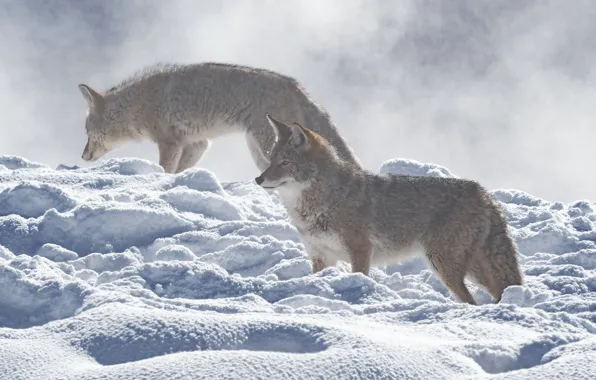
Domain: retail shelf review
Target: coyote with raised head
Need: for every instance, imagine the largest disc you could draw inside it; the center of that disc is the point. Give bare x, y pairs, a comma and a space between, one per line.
346, 213
182, 107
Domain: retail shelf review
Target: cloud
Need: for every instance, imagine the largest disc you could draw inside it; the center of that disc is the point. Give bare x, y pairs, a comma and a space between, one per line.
496, 91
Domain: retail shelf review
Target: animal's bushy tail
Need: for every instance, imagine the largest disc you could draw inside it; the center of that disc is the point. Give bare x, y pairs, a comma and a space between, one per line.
502, 254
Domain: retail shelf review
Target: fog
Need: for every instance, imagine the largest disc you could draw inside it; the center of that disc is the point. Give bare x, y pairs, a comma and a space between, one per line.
501, 92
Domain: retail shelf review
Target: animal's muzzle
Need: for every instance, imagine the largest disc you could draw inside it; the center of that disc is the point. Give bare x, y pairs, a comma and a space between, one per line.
86, 156
259, 180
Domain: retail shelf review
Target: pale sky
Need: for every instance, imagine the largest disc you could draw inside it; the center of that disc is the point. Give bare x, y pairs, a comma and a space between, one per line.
497, 91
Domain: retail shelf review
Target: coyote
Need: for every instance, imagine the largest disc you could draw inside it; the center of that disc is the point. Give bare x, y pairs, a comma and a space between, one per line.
347, 213
182, 107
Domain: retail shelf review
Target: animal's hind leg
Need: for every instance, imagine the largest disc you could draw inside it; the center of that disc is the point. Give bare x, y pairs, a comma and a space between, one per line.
191, 154
481, 271
452, 273
497, 284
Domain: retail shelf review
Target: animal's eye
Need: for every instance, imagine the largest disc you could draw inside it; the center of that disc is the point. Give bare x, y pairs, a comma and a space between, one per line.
284, 163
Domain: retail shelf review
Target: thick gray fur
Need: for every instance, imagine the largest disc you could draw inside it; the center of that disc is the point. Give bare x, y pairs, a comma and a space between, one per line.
183, 107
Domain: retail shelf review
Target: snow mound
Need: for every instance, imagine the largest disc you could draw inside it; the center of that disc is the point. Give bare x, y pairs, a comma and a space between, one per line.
40, 198
66, 167
174, 252
56, 253
518, 197
414, 168
120, 271
92, 228
6, 254
15, 163
35, 290
202, 202
126, 166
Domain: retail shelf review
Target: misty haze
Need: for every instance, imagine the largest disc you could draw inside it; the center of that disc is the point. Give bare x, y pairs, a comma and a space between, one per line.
293, 265
500, 92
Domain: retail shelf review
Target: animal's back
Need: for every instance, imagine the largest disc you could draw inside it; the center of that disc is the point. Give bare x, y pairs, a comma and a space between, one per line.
406, 208
215, 98
396, 212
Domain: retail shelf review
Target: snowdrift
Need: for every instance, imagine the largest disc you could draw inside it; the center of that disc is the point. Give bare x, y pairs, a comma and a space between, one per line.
120, 271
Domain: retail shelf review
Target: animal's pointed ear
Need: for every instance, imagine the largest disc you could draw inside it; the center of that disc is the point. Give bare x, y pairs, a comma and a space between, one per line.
95, 101
282, 131
299, 139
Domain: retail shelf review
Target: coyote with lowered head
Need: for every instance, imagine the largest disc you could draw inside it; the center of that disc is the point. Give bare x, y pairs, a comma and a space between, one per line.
346, 213
183, 107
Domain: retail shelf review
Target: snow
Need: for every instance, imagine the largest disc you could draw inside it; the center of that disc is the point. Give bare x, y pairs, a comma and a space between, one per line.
120, 271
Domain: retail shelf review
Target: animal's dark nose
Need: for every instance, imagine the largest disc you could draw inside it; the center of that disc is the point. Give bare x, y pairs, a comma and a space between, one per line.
259, 180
